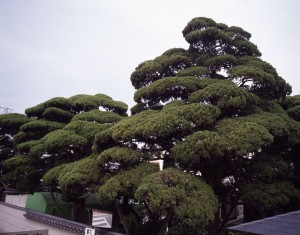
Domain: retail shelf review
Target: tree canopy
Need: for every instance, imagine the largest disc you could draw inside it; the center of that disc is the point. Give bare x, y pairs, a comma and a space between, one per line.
55, 132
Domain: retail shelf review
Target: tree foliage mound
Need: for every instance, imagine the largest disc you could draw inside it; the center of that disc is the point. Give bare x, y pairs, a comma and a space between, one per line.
57, 131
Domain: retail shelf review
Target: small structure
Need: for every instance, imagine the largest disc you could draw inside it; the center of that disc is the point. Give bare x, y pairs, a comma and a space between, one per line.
285, 224
49, 203
53, 204
18, 220
15, 198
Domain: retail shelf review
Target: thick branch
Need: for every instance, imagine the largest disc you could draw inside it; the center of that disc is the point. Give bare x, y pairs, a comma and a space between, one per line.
164, 227
122, 218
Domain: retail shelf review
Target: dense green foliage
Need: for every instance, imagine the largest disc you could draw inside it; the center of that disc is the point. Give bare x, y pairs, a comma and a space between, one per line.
57, 131
172, 190
11, 122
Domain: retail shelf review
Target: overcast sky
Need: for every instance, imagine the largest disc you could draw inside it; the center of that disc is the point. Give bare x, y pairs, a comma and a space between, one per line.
51, 48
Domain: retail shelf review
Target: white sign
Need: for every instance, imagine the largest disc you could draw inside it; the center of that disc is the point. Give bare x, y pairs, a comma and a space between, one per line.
102, 219
89, 231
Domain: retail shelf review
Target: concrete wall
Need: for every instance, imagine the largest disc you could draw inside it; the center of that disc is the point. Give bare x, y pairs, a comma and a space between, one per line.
12, 220
17, 200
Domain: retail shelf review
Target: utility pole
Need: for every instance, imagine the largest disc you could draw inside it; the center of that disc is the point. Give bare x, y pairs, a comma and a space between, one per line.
4, 109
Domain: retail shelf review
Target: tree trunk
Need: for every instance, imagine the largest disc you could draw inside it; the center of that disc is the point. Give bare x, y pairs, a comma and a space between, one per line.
4, 184
296, 161
213, 226
78, 209
164, 227
225, 216
122, 218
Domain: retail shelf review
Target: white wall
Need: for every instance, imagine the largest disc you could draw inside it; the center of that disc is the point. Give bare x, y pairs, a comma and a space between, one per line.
13, 220
17, 200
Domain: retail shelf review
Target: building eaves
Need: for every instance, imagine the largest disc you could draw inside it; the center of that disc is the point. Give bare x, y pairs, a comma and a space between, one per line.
285, 224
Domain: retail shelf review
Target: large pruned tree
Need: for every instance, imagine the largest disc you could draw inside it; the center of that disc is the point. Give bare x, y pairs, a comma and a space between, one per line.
53, 134
214, 111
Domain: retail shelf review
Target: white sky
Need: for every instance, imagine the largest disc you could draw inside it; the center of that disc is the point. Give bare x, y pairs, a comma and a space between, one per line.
56, 48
